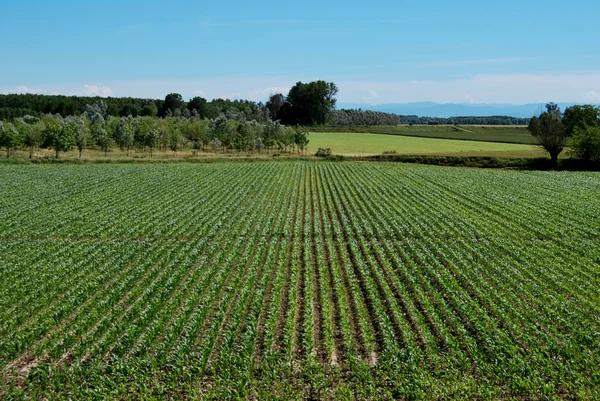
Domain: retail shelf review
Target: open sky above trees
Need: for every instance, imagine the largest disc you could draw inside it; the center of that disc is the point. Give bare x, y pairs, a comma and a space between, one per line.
382, 52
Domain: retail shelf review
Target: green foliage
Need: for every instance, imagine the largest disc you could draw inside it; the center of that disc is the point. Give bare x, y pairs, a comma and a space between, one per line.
58, 135
102, 139
580, 117
9, 137
125, 134
80, 132
586, 143
31, 131
174, 139
323, 152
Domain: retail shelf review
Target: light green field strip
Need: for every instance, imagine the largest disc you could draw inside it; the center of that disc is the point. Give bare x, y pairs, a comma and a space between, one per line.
372, 144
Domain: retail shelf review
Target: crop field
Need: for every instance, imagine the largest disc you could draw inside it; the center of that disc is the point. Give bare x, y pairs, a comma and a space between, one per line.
353, 143
298, 280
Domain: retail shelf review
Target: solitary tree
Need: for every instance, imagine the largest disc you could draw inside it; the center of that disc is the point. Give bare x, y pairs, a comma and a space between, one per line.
550, 131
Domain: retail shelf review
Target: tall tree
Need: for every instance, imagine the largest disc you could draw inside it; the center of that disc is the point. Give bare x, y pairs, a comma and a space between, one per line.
274, 105
550, 131
310, 104
199, 104
173, 102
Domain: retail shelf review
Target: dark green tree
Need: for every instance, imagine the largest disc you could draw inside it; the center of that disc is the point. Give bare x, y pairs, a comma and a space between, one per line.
274, 105
149, 109
549, 131
173, 102
309, 104
199, 104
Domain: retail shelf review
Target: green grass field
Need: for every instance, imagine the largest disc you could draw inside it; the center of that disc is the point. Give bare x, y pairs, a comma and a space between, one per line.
298, 280
485, 133
352, 143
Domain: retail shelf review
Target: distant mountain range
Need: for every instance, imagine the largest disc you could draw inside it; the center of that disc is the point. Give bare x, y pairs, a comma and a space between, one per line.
430, 109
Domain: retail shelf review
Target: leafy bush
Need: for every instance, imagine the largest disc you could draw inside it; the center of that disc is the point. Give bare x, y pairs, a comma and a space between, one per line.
389, 152
585, 144
323, 152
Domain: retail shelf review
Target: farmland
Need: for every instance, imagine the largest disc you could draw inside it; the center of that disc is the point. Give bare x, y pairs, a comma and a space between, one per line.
353, 143
297, 280
485, 133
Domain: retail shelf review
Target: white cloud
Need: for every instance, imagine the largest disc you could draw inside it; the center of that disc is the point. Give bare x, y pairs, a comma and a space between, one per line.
93, 90
20, 89
509, 88
371, 97
592, 96
261, 94
477, 61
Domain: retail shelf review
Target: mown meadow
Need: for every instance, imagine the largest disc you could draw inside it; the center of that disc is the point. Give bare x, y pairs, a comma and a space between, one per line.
298, 280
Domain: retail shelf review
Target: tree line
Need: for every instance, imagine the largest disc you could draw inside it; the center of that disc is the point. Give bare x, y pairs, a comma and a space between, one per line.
21, 105
354, 117
305, 104
96, 127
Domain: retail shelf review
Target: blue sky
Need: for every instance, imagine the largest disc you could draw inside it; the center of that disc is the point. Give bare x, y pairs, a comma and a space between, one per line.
377, 51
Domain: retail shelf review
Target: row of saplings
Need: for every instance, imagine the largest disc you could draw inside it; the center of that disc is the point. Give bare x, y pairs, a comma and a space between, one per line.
147, 134
578, 127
